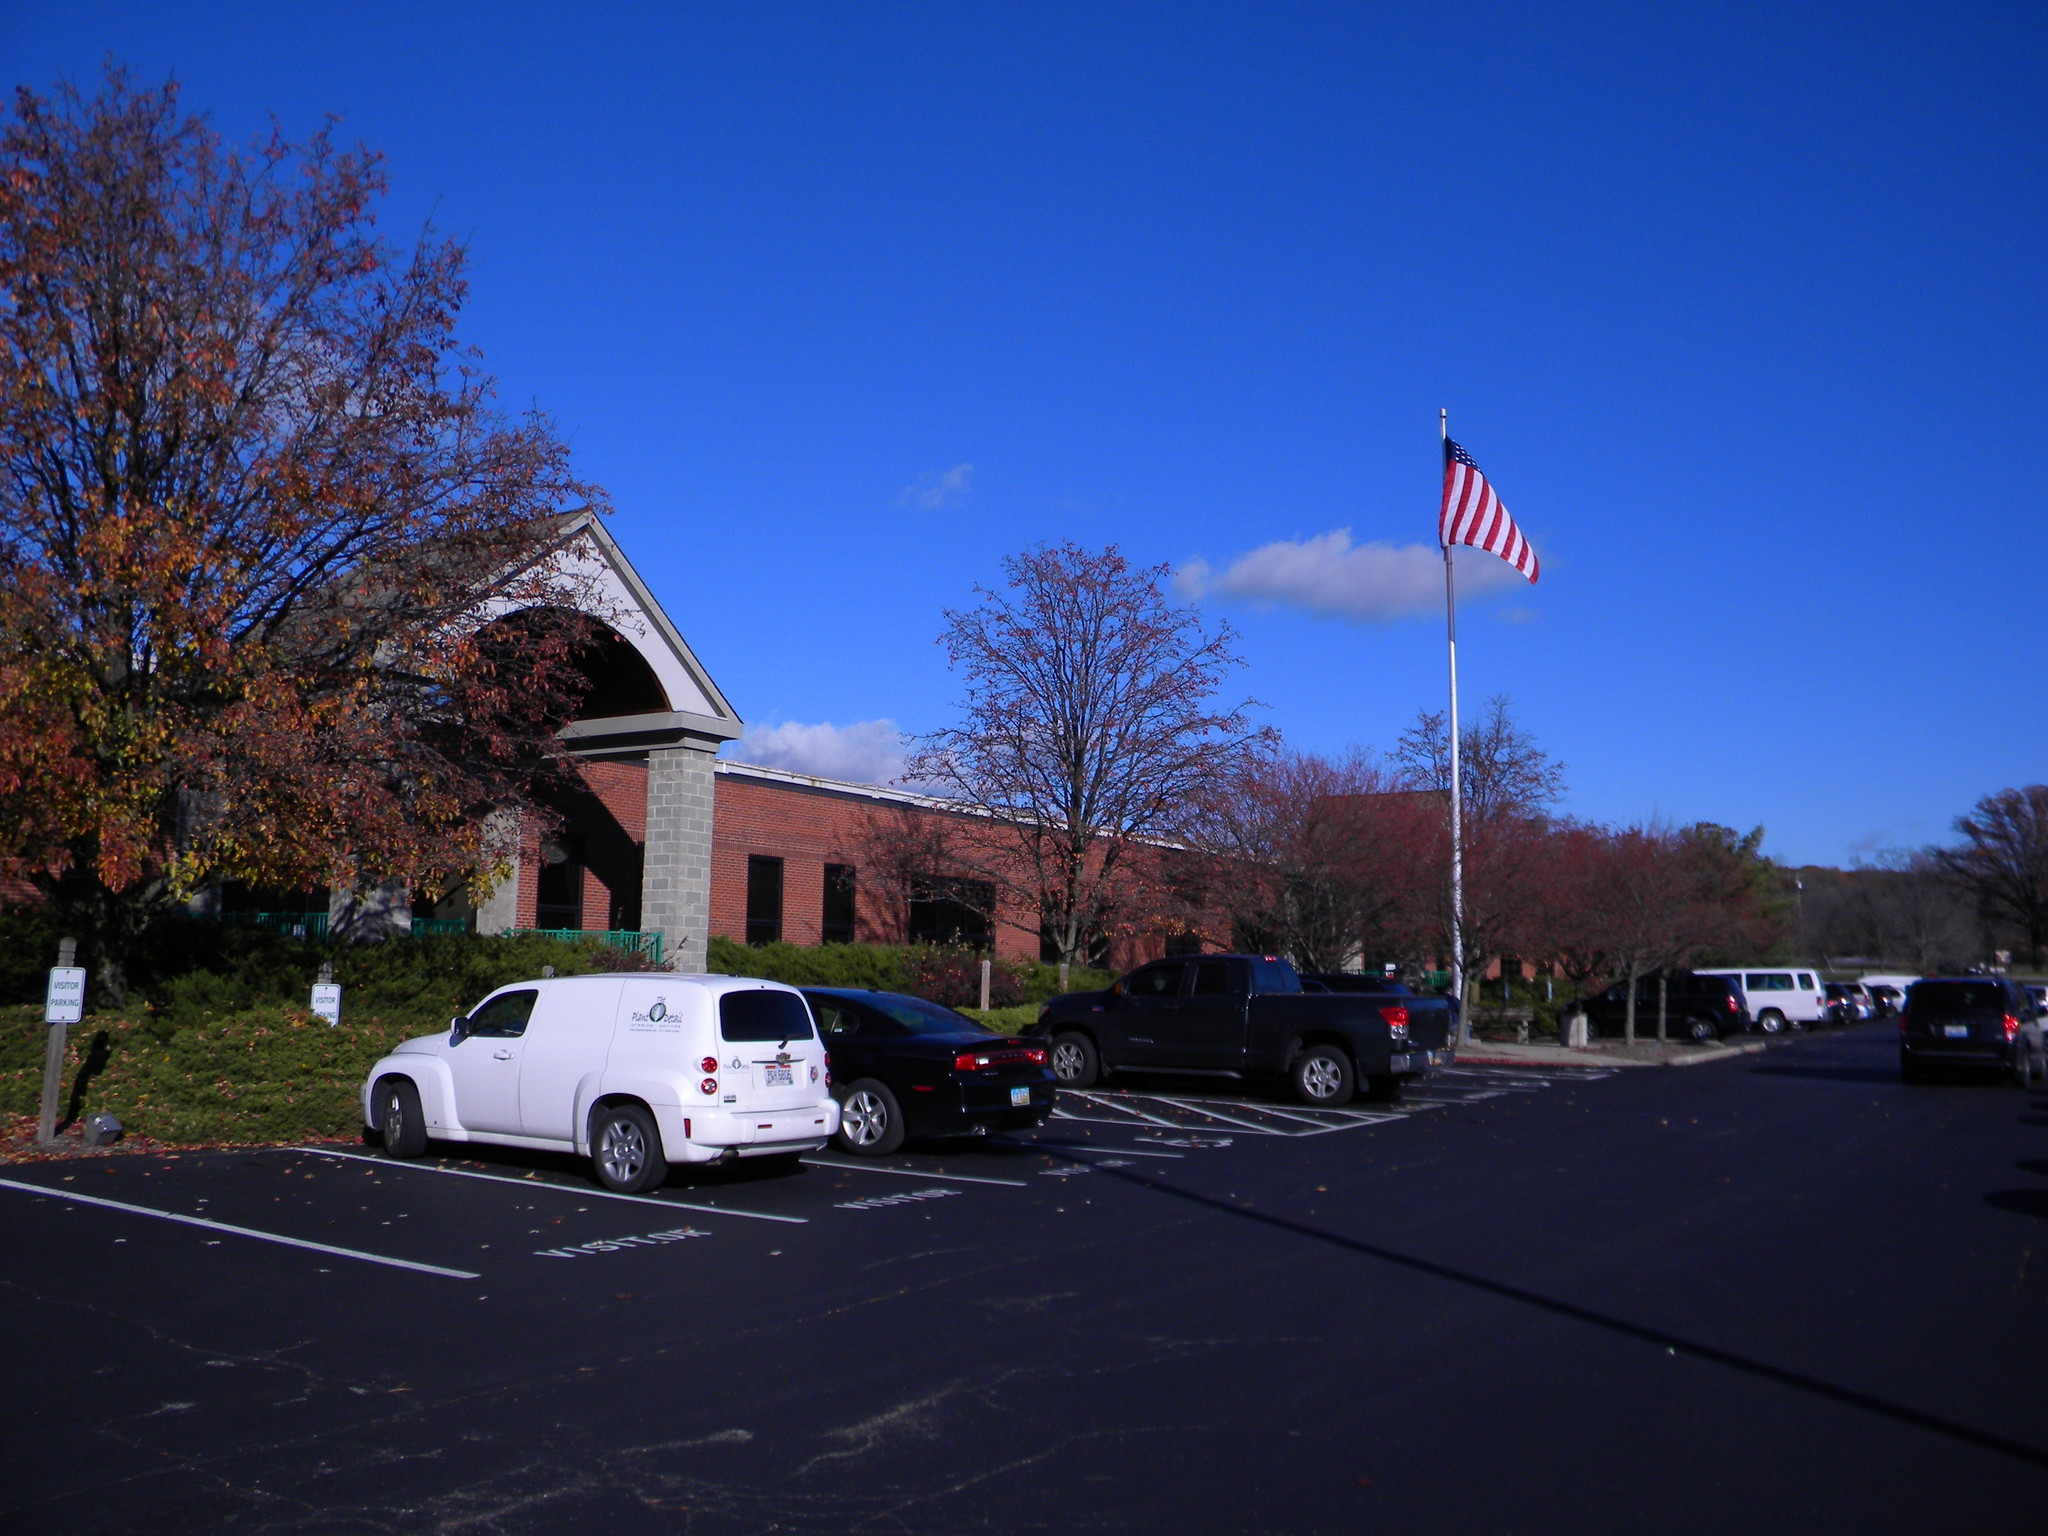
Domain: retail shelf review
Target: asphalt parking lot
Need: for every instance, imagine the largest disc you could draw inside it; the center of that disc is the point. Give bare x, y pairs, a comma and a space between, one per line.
1773, 1293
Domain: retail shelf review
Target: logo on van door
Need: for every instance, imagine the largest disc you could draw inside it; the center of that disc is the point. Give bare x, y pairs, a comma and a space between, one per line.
658, 1019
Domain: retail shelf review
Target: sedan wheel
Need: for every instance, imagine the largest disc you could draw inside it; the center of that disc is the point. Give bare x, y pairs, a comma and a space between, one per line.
870, 1119
1322, 1075
626, 1150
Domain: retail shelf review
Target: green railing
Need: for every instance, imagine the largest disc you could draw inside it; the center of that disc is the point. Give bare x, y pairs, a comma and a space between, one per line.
422, 927
297, 925
633, 940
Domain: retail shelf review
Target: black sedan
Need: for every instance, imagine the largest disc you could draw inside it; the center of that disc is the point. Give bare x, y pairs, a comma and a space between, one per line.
904, 1067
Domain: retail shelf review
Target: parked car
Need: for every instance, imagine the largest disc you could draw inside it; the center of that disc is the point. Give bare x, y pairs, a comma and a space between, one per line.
1849, 1002
1245, 1017
635, 1071
2039, 993
1779, 999
904, 1067
1971, 1021
1697, 1006
1886, 997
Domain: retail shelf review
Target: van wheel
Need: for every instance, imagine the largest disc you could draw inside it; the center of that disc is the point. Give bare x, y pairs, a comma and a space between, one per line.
1703, 1030
625, 1149
870, 1120
399, 1118
1075, 1062
1322, 1075
1770, 1021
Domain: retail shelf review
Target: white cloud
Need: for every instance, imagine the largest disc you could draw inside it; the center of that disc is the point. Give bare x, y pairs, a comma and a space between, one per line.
865, 752
1374, 583
938, 490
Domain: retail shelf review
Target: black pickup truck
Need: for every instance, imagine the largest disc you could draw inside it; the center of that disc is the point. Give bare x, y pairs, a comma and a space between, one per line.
1245, 1016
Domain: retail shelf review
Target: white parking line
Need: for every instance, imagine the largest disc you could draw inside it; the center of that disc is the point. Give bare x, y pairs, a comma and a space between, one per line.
1102, 1102
563, 1189
222, 1226
1084, 1146
912, 1173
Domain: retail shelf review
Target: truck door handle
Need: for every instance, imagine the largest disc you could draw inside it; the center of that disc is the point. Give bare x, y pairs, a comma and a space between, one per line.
501, 1055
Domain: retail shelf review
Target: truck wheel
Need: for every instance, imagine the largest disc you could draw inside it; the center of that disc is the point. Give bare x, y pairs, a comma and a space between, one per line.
625, 1149
1382, 1088
1075, 1062
399, 1118
1322, 1075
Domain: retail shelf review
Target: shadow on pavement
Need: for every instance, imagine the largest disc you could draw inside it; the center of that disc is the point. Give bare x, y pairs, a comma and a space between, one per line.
1934, 1423
2023, 1202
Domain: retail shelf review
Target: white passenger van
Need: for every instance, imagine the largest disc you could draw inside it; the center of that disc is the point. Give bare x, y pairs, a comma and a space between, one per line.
635, 1071
1780, 996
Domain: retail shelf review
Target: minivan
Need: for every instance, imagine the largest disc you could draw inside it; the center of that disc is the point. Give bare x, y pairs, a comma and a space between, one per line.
632, 1070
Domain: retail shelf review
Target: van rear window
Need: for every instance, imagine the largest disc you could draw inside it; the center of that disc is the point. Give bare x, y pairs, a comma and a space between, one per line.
763, 1015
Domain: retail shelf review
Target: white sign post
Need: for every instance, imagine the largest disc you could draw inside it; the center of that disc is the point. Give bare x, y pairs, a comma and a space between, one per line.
63, 1006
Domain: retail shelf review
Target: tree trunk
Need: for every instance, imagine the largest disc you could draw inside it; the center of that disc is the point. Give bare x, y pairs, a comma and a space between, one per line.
1628, 1022
1663, 991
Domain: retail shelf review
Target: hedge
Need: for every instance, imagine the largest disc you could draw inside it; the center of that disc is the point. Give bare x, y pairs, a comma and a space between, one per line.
948, 976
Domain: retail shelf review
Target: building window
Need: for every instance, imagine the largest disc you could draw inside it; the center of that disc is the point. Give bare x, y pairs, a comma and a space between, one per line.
837, 925
764, 900
559, 901
952, 912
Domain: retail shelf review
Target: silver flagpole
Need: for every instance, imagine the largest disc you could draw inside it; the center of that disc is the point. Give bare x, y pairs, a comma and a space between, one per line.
1457, 807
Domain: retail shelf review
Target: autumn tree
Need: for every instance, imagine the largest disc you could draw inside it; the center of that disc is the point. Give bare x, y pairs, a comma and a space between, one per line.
2003, 861
1507, 784
254, 499
1091, 724
1324, 858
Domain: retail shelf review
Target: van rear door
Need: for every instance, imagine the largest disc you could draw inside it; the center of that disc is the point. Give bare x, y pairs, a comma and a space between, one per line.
769, 1053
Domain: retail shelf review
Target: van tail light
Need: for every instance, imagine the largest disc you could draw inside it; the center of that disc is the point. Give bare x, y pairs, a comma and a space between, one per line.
708, 1064
709, 1085
2012, 1026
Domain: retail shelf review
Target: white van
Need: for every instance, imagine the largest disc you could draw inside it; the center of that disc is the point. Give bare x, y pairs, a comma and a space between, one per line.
633, 1070
1780, 996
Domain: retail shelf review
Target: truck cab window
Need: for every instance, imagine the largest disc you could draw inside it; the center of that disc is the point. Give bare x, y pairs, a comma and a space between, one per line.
1217, 978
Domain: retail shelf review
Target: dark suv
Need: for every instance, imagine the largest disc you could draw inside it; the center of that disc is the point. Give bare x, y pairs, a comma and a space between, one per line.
1985, 1022
1695, 1007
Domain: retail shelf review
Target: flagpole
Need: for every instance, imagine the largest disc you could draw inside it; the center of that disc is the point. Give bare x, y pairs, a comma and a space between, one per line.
1457, 838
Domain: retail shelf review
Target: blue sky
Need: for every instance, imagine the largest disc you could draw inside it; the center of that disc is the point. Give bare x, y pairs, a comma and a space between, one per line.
1740, 307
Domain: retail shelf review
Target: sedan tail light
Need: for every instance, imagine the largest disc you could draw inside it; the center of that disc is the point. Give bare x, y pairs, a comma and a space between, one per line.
1034, 1055
967, 1061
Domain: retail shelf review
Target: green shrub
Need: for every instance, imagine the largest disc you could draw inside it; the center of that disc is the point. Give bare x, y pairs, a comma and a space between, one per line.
949, 976
1004, 1021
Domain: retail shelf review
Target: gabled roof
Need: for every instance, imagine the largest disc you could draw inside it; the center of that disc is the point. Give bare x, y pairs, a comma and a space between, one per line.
591, 561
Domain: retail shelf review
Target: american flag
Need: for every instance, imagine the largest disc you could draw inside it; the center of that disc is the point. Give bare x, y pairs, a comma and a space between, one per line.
1472, 514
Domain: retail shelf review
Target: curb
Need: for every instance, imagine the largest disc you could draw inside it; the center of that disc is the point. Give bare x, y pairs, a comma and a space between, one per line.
1595, 1057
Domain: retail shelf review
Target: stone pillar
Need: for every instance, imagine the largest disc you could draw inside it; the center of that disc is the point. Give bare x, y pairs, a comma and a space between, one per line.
675, 886
500, 910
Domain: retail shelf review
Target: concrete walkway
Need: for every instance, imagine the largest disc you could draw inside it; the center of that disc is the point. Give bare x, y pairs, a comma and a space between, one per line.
1609, 1053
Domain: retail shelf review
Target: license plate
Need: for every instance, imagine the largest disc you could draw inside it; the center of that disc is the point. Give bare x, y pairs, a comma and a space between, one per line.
1956, 1031
778, 1077
1020, 1095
